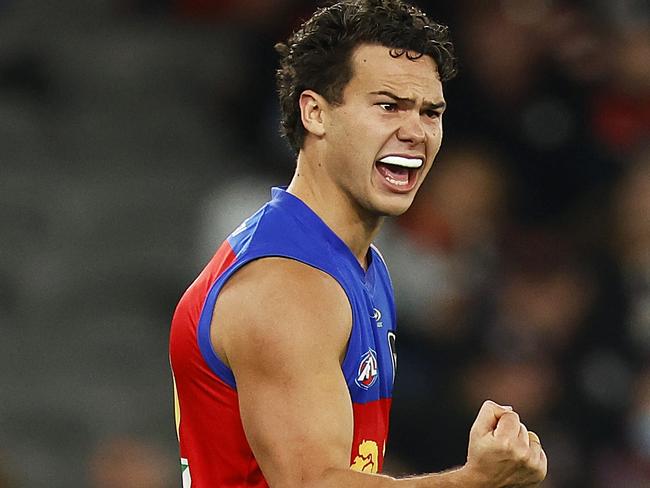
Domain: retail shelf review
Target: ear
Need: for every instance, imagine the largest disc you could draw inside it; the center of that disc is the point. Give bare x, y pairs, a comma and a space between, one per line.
312, 107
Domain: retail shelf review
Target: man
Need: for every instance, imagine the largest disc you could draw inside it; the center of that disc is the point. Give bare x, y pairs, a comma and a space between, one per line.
283, 348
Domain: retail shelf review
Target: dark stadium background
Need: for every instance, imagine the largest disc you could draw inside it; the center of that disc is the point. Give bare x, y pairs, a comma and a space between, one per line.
135, 134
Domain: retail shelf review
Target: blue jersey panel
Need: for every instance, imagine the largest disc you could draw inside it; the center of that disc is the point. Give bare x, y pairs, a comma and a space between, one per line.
288, 228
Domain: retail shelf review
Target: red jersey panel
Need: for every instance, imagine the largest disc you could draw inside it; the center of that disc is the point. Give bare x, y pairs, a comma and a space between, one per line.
214, 450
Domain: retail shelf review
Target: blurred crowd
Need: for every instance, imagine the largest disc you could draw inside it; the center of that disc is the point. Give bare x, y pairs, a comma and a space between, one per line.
522, 271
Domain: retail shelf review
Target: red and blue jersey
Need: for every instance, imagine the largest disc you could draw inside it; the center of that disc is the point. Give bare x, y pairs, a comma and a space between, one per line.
213, 447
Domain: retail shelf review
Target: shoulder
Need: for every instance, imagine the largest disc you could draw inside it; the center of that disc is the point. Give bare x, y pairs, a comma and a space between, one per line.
284, 285
278, 305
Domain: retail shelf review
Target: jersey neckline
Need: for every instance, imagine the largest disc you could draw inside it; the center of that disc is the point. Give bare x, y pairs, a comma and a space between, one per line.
312, 220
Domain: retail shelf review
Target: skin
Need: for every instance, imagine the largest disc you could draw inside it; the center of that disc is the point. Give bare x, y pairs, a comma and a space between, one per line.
286, 354
336, 173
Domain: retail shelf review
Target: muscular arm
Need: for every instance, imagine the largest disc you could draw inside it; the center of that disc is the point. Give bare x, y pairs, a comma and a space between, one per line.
283, 327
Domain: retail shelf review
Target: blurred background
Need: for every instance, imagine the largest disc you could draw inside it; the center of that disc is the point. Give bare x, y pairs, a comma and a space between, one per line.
136, 134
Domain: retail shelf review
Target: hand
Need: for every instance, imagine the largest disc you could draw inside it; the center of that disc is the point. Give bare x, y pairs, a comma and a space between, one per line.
502, 452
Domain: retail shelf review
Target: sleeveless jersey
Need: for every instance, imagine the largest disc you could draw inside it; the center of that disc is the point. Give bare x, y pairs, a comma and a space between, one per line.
213, 447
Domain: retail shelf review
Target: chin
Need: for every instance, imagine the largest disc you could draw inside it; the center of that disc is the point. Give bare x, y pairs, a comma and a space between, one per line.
395, 206
395, 212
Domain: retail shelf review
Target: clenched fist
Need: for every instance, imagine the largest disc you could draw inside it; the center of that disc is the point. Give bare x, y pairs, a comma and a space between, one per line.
502, 452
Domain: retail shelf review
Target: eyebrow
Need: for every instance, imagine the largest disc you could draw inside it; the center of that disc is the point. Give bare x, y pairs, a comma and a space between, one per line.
428, 105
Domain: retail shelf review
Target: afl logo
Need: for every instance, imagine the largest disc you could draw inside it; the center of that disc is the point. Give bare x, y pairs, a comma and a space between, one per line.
376, 315
367, 372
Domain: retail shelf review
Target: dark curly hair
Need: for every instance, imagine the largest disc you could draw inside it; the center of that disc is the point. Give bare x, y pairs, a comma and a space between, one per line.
318, 55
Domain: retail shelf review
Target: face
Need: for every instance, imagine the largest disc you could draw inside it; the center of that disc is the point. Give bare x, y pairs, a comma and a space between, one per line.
380, 142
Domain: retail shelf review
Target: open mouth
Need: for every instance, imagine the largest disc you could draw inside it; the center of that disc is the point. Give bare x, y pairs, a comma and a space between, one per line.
399, 172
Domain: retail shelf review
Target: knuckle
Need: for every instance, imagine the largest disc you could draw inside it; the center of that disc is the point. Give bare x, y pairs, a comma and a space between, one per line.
537, 470
514, 414
540, 474
488, 403
504, 445
544, 466
513, 451
520, 455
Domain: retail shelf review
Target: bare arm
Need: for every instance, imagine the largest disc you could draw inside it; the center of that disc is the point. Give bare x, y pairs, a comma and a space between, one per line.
283, 327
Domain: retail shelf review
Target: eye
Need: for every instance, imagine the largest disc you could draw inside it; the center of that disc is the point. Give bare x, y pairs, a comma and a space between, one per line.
433, 114
388, 106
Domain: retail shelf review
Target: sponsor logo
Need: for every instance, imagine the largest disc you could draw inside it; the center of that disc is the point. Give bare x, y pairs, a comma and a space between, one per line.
367, 459
376, 315
368, 371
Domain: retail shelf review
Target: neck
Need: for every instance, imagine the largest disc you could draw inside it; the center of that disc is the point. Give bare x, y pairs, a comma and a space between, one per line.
349, 221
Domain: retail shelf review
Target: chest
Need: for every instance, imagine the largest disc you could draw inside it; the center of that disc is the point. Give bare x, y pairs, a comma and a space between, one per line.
371, 359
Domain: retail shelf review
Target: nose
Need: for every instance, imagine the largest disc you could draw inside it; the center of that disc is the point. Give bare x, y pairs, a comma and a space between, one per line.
411, 129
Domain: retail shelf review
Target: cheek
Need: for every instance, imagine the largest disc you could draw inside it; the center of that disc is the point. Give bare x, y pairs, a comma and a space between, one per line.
350, 132
436, 133
434, 141
435, 136
425, 174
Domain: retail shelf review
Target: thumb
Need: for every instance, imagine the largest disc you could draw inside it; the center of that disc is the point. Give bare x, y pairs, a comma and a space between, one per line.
488, 417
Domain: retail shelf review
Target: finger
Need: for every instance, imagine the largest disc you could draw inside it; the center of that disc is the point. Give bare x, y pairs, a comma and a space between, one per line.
534, 437
537, 454
543, 461
488, 417
508, 425
523, 434
535, 446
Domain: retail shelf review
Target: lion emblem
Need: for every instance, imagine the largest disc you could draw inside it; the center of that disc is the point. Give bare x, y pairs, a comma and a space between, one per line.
368, 457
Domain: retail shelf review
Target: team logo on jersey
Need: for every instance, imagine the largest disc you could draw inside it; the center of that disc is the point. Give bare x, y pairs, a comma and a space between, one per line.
368, 371
376, 315
368, 457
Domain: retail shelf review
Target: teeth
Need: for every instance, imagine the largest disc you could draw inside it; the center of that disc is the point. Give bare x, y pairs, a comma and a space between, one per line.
396, 182
401, 161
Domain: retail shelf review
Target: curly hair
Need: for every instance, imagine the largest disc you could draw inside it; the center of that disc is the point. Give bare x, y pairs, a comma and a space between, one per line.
317, 56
